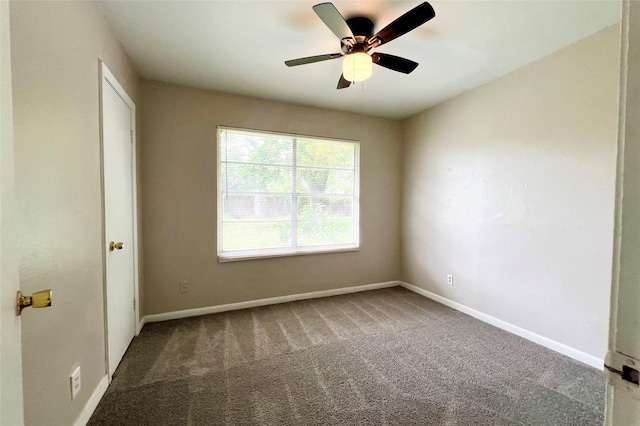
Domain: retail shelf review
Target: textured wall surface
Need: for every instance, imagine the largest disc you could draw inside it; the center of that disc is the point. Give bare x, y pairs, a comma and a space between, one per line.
179, 199
510, 188
55, 51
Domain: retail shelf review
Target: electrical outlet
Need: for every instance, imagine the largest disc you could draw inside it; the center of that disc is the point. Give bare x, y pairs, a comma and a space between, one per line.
449, 279
184, 287
76, 384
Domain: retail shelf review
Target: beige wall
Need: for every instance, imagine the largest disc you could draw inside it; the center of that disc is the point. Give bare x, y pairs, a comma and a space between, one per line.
179, 199
55, 49
510, 188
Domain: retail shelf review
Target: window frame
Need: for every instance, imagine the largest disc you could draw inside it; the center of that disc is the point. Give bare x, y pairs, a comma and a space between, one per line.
263, 253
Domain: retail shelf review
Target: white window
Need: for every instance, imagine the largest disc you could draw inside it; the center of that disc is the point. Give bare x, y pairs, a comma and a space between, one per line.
282, 194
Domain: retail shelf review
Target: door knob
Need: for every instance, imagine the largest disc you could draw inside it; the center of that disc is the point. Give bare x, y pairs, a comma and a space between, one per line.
115, 246
41, 299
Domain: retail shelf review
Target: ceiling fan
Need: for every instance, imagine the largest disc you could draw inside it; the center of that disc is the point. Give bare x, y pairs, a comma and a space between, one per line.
357, 39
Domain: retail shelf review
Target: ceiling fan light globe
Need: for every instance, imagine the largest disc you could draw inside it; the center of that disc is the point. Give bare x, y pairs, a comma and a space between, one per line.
357, 67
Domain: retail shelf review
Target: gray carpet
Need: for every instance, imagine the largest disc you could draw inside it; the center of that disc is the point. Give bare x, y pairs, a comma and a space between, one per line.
383, 357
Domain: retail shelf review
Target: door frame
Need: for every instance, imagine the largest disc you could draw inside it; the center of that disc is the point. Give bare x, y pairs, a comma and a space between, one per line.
11, 403
623, 399
107, 78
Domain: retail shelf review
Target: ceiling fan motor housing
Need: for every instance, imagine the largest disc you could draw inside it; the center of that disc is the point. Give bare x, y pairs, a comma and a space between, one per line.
361, 26
362, 29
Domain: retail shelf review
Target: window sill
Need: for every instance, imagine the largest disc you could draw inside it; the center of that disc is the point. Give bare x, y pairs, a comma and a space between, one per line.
255, 256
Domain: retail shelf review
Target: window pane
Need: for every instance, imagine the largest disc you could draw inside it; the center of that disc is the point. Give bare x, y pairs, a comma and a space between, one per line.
323, 181
248, 236
322, 233
325, 208
285, 194
253, 178
256, 149
325, 153
256, 207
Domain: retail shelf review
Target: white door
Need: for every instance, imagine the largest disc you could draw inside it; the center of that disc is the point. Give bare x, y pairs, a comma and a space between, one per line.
118, 121
11, 405
623, 358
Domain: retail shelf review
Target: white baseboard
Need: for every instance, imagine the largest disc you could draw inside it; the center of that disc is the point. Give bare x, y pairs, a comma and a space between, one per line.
536, 338
141, 324
92, 403
263, 302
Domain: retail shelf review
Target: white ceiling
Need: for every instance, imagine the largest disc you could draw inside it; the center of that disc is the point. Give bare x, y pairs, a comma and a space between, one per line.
240, 47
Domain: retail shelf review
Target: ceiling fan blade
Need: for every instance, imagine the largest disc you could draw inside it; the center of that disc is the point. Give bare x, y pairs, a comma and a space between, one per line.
343, 83
312, 59
394, 63
328, 13
407, 22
